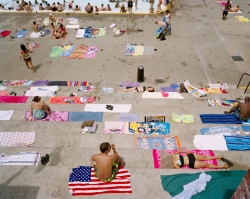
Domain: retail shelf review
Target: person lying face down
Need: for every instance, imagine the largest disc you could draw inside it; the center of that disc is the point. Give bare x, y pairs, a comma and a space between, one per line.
235, 9
106, 166
195, 161
241, 110
137, 89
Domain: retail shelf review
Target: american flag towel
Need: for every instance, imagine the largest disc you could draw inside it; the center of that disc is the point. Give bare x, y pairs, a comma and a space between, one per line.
82, 182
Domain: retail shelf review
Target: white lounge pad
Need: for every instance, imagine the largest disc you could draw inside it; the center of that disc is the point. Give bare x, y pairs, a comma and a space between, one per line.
158, 95
41, 91
72, 26
35, 34
21, 158
236, 12
80, 33
73, 21
210, 142
6, 115
117, 108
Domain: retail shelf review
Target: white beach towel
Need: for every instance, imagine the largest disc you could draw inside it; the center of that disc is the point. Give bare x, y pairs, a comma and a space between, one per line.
6, 115
72, 26
80, 33
73, 21
2, 88
35, 34
42, 91
21, 158
210, 142
17, 138
117, 108
158, 95
235, 12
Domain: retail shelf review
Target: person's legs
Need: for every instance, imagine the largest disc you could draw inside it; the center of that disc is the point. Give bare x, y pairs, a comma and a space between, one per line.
26, 62
32, 67
120, 161
199, 164
128, 90
202, 157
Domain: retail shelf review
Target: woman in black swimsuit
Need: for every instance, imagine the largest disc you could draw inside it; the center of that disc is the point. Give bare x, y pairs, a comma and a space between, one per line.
137, 89
26, 57
194, 161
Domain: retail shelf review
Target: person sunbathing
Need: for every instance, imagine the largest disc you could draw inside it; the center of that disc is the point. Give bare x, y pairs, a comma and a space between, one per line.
52, 19
77, 8
106, 166
89, 8
102, 8
36, 28
48, 7
59, 7
123, 9
27, 8
241, 111
194, 161
41, 6
108, 8
39, 110
235, 9
138, 89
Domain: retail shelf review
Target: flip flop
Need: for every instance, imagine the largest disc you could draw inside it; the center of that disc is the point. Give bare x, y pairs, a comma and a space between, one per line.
230, 164
43, 162
46, 158
12, 92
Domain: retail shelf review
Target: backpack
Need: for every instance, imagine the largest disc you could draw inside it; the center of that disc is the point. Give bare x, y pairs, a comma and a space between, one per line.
130, 4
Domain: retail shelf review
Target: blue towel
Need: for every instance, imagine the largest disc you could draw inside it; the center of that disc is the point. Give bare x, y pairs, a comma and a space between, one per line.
83, 116
237, 143
219, 119
21, 34
220, 129
246, 128
128, 117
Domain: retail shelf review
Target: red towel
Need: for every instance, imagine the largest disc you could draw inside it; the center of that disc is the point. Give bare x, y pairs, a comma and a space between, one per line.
5, 33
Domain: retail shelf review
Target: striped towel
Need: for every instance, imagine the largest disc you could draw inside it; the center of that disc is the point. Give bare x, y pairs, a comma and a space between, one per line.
78, 83
82, 182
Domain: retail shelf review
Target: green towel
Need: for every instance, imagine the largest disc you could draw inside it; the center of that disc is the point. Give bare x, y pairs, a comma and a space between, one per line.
102, 32
56, 51
222, 185
180, 118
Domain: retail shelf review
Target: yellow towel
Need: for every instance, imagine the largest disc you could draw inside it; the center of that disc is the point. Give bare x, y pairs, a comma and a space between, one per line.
139, 50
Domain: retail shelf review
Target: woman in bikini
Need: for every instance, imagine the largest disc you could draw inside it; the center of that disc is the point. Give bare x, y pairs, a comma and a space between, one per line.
39, 110
137, 89
26, 57
194, 161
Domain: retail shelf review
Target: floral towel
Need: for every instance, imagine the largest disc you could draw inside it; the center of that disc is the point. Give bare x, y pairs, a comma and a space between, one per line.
114, 127
56, 116
16, 82
56, 51
91, 52
17, 138
71, 100
181, 118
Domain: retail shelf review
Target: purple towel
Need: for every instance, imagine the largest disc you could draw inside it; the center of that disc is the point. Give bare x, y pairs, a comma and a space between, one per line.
169, 89
41, 83
129, 84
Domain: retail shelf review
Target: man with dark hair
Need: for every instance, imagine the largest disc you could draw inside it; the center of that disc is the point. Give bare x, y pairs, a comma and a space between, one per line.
36, 28
226, 10
106, 166
241, 110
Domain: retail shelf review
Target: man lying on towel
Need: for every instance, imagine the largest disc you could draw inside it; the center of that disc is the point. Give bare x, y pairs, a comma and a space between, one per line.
241, 110
106, 166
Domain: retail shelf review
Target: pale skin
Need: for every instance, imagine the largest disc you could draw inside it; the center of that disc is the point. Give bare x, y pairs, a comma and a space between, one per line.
39, 106
140, 89
27, 62
104, 162
198, 162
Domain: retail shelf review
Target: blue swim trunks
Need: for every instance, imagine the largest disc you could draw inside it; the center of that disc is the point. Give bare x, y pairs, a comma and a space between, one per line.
237, 115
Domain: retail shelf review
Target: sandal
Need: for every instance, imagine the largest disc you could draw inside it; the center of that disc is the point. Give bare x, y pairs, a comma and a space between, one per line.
43, 162
230, 164
12, 92
46, 158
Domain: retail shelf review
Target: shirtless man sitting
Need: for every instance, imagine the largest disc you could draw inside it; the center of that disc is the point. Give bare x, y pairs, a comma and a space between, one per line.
106, 166
59, 7
241, 110
36, 28
77, 8
41, 6
89, 8
48, 7
27, 8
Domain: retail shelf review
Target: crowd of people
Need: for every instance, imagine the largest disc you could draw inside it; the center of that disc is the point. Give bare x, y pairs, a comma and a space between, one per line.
44, 5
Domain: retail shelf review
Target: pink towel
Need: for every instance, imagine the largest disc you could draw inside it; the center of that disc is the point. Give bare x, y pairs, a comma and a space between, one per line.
56, 116
13, 99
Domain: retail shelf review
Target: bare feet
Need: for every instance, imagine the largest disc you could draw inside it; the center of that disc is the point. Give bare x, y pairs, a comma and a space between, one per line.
219, 157
225, 166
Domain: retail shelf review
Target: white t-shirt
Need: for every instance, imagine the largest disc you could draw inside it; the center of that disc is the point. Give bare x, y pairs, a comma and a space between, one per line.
17, 6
